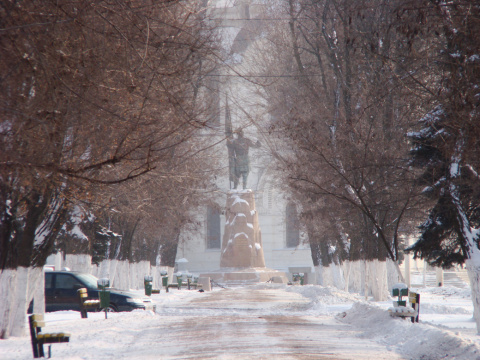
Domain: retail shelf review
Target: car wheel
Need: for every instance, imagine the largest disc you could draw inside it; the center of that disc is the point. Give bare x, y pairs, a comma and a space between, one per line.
112, 308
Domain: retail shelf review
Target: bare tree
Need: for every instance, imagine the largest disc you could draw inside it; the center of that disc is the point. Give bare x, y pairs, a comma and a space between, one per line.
343, 111
95, 94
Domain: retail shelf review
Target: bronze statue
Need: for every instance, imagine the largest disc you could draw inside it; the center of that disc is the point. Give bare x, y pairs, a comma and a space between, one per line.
238, 157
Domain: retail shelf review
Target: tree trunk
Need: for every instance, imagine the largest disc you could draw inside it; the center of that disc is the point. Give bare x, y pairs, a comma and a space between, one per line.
168, 251
473, 270
17, 287
8, 280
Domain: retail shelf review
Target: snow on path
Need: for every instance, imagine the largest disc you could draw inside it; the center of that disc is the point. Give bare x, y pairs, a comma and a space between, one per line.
240, 323
257, 322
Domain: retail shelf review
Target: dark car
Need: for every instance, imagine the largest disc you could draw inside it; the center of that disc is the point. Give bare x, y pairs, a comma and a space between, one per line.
61, 293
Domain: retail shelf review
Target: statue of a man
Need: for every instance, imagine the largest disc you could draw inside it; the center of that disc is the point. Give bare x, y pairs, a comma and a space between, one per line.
239, 152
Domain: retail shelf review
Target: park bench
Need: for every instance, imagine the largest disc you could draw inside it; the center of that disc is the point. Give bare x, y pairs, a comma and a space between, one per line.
39, 338
191, 283
405, 308
178, 286
182, 283
85, 303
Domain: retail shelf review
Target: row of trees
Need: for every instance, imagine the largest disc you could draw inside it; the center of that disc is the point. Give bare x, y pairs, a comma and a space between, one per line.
96, 95
380, 112
350, 88
102, 108
104, 103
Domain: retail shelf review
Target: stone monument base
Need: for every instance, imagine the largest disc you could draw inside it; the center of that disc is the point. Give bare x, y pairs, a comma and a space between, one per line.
246, 276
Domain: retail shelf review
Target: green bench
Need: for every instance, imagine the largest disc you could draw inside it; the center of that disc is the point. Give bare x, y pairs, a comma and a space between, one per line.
410, 307
39, 338
189, 283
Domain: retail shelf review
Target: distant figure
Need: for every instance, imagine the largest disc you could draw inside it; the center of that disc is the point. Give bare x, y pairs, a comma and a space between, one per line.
239, 153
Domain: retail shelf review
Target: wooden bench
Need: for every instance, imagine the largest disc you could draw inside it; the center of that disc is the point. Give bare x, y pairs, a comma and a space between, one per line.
193, 284
173, 286
188, 284
85, 303
39, 339
405, 308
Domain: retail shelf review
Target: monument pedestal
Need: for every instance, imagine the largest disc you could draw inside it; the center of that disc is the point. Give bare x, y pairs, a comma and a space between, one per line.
242, 260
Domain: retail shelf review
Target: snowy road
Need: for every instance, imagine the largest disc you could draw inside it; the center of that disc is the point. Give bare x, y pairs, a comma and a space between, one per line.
265, 321
260, 324
238, 323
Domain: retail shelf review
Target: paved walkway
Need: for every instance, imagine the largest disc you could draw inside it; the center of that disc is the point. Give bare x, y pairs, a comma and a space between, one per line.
228, 324
259, 324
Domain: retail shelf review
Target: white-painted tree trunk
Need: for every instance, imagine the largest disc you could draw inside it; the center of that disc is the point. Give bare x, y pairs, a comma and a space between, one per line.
473, 270
125, 275
439, 276
356, 275
407, 270
378, 279
8, 281
331, 275
338, 280
17, 288
319, 275
399, 271
367, 291
58, 261
28, 281
346, 271
39, 294
392, 274
19, 306
81, 263
371, 278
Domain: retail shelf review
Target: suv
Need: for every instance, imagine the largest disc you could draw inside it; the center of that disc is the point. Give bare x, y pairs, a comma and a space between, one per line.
61, 293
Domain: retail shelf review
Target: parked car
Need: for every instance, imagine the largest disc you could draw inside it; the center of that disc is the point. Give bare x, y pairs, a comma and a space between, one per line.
61, 293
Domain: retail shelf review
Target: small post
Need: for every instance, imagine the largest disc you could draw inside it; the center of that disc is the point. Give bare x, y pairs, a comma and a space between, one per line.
439, 276
189, 277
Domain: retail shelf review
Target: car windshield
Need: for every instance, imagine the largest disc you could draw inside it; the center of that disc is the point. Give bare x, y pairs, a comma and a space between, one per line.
89, 280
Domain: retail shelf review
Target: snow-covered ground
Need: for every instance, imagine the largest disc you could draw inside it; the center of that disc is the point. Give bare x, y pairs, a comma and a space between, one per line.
267, 321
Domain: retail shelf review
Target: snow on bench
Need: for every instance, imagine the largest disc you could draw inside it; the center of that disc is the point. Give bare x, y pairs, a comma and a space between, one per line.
400, 307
